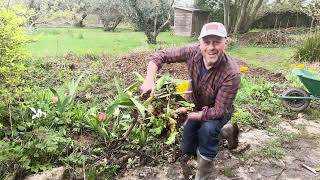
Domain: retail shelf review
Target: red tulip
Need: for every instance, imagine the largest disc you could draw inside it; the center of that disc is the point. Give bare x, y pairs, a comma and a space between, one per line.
110, 123
102, 116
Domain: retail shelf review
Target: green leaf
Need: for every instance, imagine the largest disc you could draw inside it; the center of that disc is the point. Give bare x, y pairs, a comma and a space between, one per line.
172, 138
161, 81
139, 77
186, 104
139, 106
142, 136
117, 84
73, 87
168, 110
54, 92
21, 128
63, 105
133, 87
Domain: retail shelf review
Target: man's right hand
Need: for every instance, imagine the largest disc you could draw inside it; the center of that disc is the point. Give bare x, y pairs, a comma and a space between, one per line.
147, 88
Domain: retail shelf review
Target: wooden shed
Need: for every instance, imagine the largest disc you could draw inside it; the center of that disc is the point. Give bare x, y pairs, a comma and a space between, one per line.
189, 21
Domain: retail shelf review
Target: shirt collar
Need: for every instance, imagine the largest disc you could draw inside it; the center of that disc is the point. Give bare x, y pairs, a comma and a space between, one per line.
220, 60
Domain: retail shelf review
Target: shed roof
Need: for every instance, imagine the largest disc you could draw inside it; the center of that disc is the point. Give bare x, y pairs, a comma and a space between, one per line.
190, 9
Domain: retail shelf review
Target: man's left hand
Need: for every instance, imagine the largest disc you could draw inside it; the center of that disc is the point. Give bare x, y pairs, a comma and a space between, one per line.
193, 116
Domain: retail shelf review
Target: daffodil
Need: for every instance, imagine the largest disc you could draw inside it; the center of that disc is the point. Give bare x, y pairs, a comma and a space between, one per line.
243, 68
293, 66
312, 69
183, 86
300, 66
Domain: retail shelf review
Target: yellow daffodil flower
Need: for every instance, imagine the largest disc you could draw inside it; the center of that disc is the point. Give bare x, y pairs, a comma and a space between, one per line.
183, 86
300, 66
243, 69
312, 69
293, 66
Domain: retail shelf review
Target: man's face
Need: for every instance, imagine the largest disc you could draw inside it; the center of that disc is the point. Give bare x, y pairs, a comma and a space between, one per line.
212, 47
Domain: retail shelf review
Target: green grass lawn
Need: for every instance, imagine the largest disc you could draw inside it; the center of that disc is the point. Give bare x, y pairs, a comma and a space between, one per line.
273, 59
59, 41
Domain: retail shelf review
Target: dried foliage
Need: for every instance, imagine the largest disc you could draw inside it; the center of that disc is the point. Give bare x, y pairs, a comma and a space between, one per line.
267, 38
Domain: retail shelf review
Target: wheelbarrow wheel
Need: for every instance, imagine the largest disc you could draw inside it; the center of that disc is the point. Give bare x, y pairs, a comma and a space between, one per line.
296, 104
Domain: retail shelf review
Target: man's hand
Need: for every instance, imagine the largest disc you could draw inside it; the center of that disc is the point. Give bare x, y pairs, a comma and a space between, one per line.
148, 87
193, 116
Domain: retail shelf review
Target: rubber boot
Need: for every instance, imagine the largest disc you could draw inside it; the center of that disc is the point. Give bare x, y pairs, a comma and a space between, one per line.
230, 132
204, 168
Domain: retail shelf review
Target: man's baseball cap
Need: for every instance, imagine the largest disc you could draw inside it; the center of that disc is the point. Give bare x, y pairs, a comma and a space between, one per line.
213, 28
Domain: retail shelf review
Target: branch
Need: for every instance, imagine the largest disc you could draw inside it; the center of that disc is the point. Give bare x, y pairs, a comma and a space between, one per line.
167, 21
135, 120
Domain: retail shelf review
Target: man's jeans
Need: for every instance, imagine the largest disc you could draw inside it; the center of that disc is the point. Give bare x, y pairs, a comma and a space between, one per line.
203, 136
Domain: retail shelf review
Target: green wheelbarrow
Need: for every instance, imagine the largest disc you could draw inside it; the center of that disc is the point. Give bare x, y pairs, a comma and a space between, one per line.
297, 99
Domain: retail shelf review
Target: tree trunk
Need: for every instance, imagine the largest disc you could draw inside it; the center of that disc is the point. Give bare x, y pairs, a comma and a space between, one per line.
226, 6
8, 4
80, 23
110, 25
151, 39
311, 25
252, 16
242, 15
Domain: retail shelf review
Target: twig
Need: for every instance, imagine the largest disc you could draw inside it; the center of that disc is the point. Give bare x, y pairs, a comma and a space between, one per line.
254, 113
277, 174
176, 93
309, 168
10, 119
135, 119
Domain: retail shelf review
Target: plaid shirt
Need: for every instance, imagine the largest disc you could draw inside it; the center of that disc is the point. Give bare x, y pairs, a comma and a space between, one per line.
215, 92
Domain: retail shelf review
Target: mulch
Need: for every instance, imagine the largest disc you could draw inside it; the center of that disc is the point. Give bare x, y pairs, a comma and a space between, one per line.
138, 62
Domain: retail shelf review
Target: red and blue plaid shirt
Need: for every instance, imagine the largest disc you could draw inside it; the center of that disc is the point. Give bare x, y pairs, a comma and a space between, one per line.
213, 93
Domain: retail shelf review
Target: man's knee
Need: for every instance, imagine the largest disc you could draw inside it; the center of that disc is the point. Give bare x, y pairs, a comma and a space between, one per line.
209, 129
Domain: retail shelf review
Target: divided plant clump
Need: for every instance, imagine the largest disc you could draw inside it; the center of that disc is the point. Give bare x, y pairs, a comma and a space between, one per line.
157, 116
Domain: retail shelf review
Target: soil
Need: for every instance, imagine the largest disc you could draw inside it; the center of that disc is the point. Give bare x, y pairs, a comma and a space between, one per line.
138, 62
250, 164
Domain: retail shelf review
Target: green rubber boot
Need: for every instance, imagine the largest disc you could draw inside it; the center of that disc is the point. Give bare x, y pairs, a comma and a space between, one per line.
204, 168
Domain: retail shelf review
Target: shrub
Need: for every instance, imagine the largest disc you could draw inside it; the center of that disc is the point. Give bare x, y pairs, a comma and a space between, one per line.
310, 49
12, 53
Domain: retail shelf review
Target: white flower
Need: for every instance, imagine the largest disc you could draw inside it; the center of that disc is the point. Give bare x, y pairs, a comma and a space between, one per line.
38, 114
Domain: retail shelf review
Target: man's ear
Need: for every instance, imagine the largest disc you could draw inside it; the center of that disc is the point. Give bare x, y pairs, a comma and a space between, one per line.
227, 40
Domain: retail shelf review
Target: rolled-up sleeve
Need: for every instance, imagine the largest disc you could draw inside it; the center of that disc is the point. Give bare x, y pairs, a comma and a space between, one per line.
224, 98
174, 55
